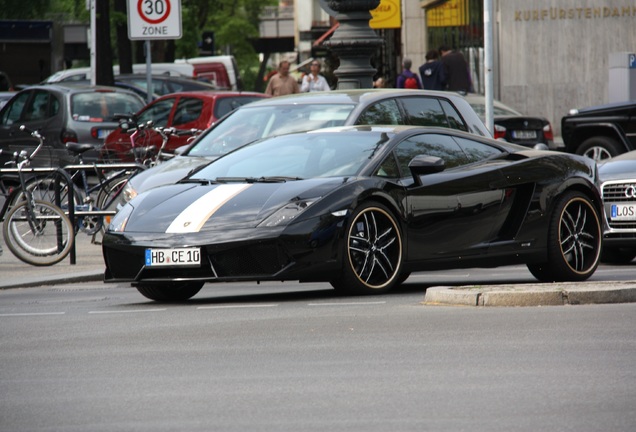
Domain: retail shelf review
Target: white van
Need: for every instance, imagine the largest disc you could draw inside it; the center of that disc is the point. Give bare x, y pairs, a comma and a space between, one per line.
218, 70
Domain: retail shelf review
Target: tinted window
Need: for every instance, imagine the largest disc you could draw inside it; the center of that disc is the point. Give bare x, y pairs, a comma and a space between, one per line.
226, 105
422, 111
476, 151
38, 107
441, 146
14, 109
188, 110
455, 120
158, 112
385, 112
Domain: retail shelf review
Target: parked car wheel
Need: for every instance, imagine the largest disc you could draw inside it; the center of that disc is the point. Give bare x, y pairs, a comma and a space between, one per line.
599, 148
373, 252
170, 292
574, 241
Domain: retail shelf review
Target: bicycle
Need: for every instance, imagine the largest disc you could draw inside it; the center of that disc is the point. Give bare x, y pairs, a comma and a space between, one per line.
91, 202
149, 155
37, 232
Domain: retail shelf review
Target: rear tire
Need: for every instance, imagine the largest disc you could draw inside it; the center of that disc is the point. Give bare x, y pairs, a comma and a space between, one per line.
600, 148
373, 252
574, 241
170, 292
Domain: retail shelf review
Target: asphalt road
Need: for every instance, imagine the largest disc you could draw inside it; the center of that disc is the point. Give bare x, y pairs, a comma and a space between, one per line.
95, 357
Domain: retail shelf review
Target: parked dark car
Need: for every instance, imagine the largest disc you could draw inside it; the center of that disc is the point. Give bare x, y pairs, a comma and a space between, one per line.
513, 126
307, 111
166, 84
183, 110
600, 132
360, 207
618, 189
62, 113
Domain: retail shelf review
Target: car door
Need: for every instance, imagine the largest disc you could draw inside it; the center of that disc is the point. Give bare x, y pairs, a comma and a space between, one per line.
453, 212
36, 110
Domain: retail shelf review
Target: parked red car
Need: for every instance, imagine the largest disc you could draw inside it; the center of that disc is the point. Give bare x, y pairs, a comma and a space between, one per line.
182, 110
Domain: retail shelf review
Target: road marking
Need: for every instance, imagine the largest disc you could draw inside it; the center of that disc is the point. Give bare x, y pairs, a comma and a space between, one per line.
31, 314
238, 306
127, 311
347, 304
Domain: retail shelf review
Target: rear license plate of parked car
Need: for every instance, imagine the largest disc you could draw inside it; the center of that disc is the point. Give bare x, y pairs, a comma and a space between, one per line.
524, 134
173, 257
103, 133
623, 212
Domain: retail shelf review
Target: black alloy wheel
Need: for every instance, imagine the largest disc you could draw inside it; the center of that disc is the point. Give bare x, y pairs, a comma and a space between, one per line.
373, 252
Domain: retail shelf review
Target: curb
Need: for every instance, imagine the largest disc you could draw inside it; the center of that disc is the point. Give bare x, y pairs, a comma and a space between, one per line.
556, 294
86, 277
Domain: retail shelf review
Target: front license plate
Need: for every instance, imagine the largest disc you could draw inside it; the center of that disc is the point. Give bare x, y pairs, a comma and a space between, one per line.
173, 257
625, 212
524, 134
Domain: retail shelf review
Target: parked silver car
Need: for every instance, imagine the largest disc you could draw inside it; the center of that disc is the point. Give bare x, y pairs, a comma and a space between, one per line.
62, 113
309, 111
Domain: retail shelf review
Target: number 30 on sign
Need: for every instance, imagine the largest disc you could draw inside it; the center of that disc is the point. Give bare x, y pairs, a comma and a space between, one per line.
154, 19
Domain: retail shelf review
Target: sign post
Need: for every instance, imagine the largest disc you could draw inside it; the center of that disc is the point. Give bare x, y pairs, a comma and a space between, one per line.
153, 19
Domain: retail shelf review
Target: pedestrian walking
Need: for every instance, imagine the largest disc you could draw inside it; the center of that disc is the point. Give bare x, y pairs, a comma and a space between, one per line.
432, 72
282, 83
456, 70
408, 79
313, 81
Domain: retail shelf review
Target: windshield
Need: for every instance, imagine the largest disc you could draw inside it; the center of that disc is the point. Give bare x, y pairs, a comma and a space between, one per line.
297, 156
248, 124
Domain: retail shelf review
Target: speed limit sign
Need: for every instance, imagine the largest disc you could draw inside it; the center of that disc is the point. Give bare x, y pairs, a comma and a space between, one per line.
154, 19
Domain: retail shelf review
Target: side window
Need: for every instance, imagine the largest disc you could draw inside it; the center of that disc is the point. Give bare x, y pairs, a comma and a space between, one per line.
158, 113
424, 111
385, 112
476, 151
389, 168
13, 109
38, 107
441, 146
455, 121
188, 110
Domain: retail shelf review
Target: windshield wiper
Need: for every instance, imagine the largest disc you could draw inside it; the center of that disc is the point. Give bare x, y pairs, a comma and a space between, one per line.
196, 180
277, 179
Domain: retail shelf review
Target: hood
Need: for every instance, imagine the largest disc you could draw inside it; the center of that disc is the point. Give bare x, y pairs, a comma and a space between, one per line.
187, 207
622, 167
168, 172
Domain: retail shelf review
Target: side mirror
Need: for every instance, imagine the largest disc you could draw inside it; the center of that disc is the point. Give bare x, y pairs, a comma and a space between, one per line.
422, 165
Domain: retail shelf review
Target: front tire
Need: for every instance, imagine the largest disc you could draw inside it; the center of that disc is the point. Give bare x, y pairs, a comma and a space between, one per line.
373, 252
170, 292
574, 241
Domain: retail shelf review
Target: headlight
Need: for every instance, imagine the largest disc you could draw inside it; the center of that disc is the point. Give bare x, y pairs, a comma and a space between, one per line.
129, 192
288, 212
118, 223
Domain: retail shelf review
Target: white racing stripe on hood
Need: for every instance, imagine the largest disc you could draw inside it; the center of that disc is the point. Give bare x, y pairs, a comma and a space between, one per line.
196, 214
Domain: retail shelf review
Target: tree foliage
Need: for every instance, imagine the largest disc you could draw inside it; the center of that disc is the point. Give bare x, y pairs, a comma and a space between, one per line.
234, 23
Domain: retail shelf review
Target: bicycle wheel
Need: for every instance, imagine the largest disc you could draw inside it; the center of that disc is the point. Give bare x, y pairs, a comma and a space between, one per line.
43, 189
42, 237
108, 193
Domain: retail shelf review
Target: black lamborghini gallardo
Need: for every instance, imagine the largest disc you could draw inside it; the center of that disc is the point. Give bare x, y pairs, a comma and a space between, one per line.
360, 207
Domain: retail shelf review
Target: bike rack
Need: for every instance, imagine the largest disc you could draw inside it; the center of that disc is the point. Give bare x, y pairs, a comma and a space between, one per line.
63, 173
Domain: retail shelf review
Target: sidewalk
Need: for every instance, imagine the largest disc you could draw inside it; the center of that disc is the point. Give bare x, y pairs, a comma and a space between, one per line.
90, 267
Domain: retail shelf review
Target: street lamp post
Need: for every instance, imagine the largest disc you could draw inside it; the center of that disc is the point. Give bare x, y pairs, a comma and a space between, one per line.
354, 42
